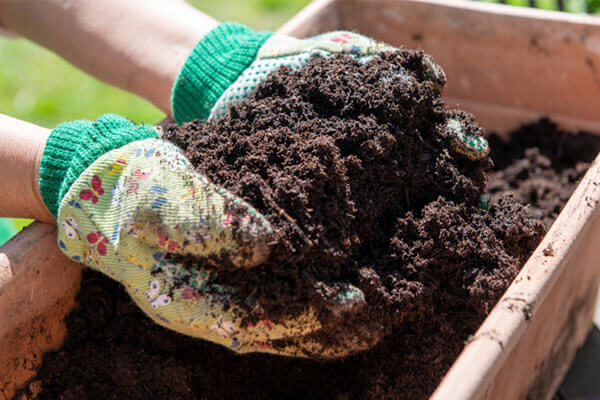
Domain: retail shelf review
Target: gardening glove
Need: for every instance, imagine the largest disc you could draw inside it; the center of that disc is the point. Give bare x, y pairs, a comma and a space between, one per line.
231, 60
131, 206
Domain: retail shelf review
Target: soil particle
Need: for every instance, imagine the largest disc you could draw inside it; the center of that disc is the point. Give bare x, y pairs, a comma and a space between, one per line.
548, 251
367, 169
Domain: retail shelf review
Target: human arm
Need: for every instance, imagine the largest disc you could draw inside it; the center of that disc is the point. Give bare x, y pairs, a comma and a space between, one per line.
167, 51
21, 148
137, 45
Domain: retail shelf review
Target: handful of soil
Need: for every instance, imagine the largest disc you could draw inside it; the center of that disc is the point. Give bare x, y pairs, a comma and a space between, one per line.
358, 168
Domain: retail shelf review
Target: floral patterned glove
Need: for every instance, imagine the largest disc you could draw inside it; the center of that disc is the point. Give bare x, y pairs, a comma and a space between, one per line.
231, 60
228, 63
131, 205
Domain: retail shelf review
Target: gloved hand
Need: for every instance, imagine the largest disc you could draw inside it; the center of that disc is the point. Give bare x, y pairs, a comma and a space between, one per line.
228, 63
130, 205
231, 60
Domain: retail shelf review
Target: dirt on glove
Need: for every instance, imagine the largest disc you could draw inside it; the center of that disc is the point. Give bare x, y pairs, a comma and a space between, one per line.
364, 166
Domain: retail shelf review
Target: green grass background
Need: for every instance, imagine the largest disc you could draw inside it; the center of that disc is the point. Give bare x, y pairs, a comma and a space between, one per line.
575, 6
39, 87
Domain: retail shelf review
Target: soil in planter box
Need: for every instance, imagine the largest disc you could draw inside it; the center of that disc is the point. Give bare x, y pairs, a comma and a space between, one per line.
114, 351
360, 172
539, 166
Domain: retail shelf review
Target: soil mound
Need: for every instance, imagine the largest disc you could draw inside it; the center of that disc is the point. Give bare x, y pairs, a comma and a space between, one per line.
435, 260
358, 168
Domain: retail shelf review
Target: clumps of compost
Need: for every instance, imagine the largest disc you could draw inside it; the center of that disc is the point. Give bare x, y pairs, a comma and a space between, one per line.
359, 169
115, 351
540, 151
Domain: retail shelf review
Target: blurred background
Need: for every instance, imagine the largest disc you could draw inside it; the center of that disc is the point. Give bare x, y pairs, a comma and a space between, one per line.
574, 6
39, 87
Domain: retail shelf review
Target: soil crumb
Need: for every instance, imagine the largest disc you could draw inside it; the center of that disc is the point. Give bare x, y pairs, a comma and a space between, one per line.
361, 157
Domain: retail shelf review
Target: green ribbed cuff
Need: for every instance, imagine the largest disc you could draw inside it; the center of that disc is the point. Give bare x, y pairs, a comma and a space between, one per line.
74, 146
214, 64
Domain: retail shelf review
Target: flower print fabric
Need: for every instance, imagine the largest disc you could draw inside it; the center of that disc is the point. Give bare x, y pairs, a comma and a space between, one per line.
285, 51
136, 208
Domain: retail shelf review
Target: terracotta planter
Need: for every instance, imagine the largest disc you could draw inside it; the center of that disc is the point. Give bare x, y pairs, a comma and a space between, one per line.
508, 66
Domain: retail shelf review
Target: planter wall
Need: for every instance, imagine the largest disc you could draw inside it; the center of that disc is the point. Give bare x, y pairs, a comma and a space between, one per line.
508, 66
38, 285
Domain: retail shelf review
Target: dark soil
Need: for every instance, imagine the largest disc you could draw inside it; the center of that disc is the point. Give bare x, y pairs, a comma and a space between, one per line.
373, 179
540, 166
365, 183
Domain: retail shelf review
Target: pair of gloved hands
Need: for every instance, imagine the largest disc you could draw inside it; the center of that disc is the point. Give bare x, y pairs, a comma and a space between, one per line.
127, 201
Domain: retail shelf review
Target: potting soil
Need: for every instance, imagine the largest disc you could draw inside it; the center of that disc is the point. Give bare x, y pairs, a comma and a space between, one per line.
360, 170
360, 157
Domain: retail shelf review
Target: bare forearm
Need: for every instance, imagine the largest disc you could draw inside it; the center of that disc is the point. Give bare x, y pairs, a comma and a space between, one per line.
21, 148
138, 45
